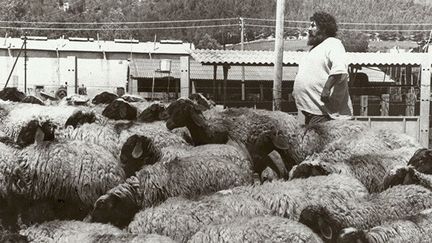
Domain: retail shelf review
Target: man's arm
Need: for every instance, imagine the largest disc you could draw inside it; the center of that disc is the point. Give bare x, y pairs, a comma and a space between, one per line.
331, 81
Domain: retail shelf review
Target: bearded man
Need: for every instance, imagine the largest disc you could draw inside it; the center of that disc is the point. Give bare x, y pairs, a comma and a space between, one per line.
321, 85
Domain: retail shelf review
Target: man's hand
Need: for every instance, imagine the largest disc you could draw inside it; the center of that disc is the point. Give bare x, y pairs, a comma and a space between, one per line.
325, 95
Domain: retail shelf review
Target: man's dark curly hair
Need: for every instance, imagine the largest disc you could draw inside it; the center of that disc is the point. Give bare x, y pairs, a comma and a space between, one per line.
325, 22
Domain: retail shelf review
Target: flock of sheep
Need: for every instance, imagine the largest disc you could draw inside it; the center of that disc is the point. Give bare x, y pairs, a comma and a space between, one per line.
121, 169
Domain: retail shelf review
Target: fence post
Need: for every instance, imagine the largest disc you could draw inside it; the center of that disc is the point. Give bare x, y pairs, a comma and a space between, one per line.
384, 104
363, 105
425, 102
410, 102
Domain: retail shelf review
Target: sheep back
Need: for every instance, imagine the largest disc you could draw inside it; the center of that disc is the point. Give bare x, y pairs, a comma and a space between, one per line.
72, 170
257, 229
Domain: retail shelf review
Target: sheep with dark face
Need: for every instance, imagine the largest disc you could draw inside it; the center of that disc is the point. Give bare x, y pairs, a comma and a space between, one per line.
394, 203
243, 126
279, 198
257, 229
422, 161
18, 115
414, 229
407, 175
367, 142
104, 98
75, 172
79, 117
119, 109
36, 128
140, 150
152, 113
201, 101
370, 168
12, 94
188, 176
32, 100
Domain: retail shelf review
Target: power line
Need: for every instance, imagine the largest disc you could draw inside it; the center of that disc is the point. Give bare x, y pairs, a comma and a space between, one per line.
120, 23
359, 30
121, 29
348, 23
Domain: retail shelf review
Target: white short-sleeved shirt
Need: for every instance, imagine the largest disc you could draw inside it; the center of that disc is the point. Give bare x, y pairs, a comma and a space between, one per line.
327, 58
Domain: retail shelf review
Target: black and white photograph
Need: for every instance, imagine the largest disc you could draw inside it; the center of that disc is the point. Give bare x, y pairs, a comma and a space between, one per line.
195, 121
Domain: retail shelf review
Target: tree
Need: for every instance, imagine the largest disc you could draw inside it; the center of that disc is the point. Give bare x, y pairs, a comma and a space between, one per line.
354, 42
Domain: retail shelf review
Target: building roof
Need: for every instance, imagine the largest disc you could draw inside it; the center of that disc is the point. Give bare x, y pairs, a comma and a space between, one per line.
145, 68
236, 57
266, 58
90, 45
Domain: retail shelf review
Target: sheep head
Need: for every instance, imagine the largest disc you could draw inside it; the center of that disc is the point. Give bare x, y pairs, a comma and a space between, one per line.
152, 113
305, 170
117, 206
350, 234
136, 152
319, 219
278, 141
79, 118
36, 131
120, 110
183, 112
201, 101
422, 161
402, 176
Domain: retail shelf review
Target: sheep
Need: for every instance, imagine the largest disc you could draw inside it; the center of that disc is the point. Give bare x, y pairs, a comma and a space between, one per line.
10, 237
143, 150
104, 136
407, 175
104, 98
9, 183
152, 113
119, 109
394, 203
242, 126
12, 94
74, 172
201, 101
188, 176
79, 117
117, 238
370, 168
181, 218
58, 230
414, 229
422, 160
18, 115
28, 132
33, 100
257, 229
366, 142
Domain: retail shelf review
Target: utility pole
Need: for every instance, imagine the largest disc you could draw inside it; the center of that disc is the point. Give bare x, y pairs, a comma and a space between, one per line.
278, 66
243, 93
25, 63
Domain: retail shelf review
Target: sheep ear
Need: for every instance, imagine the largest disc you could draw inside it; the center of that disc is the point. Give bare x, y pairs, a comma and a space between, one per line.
123, 112
198, 119
39, 136
137, 151
280, 141
326, 230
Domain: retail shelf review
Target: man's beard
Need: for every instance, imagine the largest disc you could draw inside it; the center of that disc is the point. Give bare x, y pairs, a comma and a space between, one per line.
314, 40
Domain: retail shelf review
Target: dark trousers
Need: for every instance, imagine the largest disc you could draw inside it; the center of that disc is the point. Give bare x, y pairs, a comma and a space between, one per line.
314, 119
